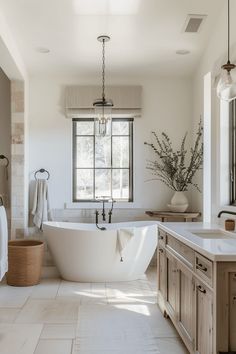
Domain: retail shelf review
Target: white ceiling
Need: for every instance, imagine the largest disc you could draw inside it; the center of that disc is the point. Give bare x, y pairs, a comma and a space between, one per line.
145, 34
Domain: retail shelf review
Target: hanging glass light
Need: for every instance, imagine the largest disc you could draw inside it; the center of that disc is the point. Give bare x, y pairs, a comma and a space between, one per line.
103, 106
226, 88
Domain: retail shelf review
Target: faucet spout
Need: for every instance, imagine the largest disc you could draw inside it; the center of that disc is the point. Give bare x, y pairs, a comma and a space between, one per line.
226, 212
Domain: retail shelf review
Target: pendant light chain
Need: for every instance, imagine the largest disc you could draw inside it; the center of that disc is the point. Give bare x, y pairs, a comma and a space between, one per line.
103, 70
228, 31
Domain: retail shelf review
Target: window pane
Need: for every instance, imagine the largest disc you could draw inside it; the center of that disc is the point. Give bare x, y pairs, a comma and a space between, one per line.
85, 128
120, 128
120, 184
103, 183
120, 151
84, 184
102, 152
84, 152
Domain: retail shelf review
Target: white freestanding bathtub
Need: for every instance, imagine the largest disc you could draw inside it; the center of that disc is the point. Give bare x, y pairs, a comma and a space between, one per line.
85, 254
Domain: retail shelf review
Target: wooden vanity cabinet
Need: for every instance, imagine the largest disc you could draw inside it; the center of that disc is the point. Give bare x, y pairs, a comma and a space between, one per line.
203, 319
161, 265
171, 285
198, 295
186, 304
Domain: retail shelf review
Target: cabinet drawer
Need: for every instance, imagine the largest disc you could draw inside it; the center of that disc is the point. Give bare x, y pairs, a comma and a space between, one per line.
182, 251
203, 267
161, 236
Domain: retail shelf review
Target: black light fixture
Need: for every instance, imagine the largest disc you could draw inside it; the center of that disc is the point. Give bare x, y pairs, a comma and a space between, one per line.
226, 88
103, 106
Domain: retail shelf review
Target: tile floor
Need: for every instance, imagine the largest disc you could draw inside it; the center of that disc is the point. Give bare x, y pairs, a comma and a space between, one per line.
60, 317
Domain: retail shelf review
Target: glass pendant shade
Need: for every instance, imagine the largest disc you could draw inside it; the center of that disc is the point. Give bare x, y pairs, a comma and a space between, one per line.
226, 88
102, 120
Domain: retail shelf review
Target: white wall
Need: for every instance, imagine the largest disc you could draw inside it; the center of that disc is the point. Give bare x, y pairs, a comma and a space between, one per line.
167, 105
5, 135
215, 55
5, 115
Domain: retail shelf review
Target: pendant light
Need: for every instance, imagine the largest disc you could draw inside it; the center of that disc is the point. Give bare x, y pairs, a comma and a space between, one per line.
103, 106
226, 88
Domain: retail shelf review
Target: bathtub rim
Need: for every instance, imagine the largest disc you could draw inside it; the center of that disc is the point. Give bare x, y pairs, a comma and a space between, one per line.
61, 225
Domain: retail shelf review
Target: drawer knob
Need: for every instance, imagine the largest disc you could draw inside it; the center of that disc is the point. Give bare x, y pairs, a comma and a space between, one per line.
161, 237
200, 288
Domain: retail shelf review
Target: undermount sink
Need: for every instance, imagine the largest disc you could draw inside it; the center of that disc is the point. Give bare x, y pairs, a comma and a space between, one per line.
213, 234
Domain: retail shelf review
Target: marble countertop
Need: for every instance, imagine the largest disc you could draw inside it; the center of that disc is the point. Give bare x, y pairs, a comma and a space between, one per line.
221, 249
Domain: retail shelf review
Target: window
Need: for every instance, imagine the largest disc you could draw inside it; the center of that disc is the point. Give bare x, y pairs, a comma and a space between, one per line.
232, 154
102, 166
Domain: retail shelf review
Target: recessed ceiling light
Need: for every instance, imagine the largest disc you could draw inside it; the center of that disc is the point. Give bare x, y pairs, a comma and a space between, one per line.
43, 50
182, 52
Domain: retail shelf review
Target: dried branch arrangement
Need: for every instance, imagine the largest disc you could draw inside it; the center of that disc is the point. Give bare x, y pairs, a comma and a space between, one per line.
176, 169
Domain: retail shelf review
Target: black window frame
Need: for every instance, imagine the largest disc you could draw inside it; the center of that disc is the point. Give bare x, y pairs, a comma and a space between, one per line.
232, 151
130, 168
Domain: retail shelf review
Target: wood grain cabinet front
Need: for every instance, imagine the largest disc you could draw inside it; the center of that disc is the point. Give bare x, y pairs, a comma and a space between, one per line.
161, 279
186, 318
204, 319
172, 282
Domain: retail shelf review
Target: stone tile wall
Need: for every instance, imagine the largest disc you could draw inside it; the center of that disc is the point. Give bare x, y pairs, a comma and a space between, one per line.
17, 160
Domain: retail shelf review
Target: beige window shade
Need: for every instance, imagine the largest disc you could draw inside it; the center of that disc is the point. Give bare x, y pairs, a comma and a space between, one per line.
127, 100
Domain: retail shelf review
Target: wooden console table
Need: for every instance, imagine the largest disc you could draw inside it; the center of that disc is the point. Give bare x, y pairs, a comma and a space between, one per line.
166, 215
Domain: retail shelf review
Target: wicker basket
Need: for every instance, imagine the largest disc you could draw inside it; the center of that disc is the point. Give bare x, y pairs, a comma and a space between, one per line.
25, 262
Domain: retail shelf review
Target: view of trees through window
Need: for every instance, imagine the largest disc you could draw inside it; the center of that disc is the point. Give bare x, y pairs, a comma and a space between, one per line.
103, 165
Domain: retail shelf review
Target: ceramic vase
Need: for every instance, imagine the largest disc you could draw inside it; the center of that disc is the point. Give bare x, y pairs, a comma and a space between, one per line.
179, 202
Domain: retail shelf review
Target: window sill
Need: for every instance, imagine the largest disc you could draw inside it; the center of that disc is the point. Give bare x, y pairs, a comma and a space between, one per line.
98, 205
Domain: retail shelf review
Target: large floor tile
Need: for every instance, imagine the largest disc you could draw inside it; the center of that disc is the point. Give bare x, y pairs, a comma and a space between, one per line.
73, 289
11, 296
8, 315
47, 289
48, 311
82, 292
171, 345
50, 346
19, 339
58, 331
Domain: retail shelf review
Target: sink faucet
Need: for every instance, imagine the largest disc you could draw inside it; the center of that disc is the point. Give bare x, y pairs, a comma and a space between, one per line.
226, 212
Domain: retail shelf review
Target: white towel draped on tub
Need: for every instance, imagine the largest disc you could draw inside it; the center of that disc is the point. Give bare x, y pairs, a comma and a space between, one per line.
3, 242
123, 238
41, 209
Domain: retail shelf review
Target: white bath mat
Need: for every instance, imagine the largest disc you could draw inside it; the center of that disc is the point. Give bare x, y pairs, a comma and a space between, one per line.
124, 329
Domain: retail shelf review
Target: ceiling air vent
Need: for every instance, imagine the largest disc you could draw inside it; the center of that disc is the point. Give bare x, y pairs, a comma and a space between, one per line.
194, 23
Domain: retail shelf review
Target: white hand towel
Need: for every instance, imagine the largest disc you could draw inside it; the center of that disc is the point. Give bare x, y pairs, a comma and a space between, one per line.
3, 242
4, 186
41, 209
123, 238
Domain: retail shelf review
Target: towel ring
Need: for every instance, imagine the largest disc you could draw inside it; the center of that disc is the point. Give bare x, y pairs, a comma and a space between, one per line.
3, 157
42, 170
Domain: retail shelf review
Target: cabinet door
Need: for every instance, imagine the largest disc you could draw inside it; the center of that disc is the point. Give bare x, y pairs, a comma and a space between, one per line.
161, 271
186, 288
204, 319
172, 281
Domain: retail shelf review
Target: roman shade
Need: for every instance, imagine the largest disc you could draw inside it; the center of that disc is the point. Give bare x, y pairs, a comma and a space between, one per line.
79, 101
